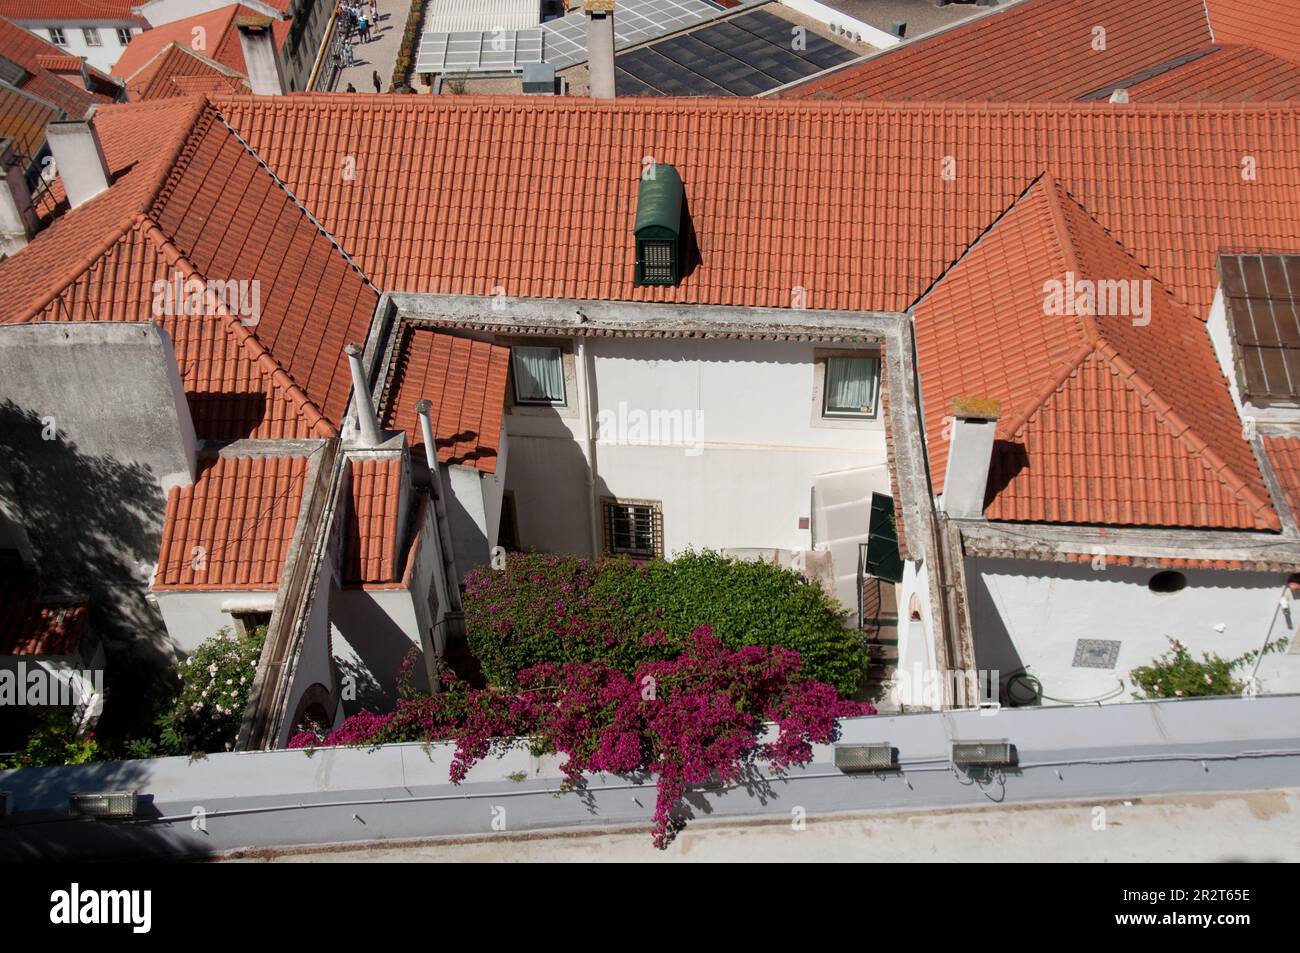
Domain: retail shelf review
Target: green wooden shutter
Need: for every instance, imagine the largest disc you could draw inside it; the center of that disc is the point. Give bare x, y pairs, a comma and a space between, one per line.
883, 559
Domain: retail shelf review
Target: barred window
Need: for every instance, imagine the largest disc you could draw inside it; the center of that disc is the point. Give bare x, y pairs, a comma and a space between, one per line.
633, 527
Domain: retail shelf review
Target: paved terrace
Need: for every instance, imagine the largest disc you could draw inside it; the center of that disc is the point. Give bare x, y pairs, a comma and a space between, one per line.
379, 54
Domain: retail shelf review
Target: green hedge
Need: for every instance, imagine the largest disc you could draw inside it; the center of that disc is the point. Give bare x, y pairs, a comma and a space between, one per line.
552, 608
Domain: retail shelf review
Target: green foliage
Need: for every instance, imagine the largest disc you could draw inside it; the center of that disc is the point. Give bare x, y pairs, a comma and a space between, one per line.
1177, 675
216, 682
546, 608
54, 741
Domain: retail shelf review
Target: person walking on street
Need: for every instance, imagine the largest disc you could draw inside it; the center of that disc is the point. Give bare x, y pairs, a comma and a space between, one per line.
351, 88
379, 84
363, 24
374, 12
348, 58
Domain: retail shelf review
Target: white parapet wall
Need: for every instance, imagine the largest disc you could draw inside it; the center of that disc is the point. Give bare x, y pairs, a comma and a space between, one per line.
874, 36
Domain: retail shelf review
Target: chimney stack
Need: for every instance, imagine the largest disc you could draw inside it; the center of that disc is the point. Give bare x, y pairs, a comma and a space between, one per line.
78, 158
970, 450
367, 423
600, 48
260, 59
17, 213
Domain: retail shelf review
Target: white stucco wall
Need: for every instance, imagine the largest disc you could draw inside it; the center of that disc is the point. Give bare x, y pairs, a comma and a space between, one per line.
744, 480
1030, 613
194, 616
101, 57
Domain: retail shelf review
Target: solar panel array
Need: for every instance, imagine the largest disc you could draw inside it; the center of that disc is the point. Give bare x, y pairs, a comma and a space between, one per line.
503, 50
635, 21
741, 56
562, 41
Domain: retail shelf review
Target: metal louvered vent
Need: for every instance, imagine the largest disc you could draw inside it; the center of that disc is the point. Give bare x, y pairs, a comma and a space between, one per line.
658, 266
115, 804
878, 757
981, 752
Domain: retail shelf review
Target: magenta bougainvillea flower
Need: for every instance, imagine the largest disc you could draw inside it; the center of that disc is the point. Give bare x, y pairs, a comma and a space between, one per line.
697, 719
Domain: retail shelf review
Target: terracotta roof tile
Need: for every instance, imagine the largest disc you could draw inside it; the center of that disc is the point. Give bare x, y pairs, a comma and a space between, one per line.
1223, 74
466, 382
372, 531
214, 214
30, 625
28, 50
23, 119
212, 34
80, 10
1284, 457
1266, 24
847, 201
1036, 50
232, 528
1110, 419
178, 70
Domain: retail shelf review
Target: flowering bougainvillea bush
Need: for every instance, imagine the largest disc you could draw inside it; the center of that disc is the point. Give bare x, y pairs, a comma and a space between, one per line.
691, 720
1176, 674
549, 608
216, 681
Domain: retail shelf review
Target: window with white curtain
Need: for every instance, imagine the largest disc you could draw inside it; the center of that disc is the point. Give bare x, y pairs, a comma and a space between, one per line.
539, 375
850, 387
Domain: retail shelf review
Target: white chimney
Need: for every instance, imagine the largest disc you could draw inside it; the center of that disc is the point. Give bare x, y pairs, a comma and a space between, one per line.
600, 48
260, 59
367, 422
17, 213
1119, 96
970, 450
78, 158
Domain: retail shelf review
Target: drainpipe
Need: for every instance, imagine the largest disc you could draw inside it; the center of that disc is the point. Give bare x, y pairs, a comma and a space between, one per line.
367, 423
589, 420
439, 507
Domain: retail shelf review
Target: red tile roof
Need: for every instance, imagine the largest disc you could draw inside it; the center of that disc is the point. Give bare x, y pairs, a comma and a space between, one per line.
233, 527
1267, 24
189, 199
1223, 74
466, 382
45, 11
1104, 420
1036, 50
455, 195
60, 62
180, 71
32, 626
27, 50
212, 35
237, 222
372, 531
23, 119
1284, 457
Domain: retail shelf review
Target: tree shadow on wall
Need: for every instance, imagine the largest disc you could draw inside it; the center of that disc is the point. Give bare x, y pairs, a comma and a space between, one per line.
95, 525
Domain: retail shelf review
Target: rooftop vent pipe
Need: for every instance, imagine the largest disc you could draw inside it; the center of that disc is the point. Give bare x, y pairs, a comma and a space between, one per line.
367, 422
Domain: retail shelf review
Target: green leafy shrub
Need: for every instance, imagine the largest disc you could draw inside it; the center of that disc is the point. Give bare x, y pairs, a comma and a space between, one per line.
1177, 675
549, 608
216, 682
54, 741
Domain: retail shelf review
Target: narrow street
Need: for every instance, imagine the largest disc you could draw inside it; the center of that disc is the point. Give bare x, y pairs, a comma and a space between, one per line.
380, 54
